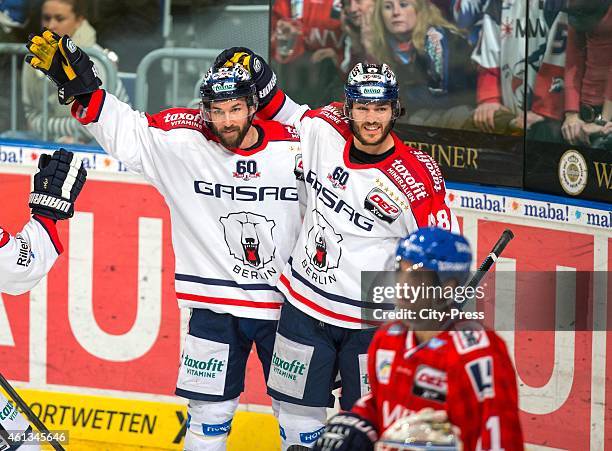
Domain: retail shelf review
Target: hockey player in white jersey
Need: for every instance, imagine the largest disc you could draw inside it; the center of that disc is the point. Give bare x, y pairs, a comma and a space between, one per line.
28, 256
230, 186
366, 190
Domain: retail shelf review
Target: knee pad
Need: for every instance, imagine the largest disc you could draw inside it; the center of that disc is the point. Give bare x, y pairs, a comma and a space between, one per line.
300, 425
208, 423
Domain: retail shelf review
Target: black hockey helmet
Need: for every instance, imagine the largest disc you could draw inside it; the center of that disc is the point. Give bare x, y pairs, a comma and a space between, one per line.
227, 83
372, 83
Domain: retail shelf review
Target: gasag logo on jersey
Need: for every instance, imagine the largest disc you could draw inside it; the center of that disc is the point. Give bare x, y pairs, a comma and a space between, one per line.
245, 193
381, 205
246, 170
338, 177
323, 250
331, 200
384, 360
430, 383
249, 238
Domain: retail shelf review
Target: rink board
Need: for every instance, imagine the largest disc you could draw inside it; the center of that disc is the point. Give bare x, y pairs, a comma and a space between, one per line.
85, 330
129, 423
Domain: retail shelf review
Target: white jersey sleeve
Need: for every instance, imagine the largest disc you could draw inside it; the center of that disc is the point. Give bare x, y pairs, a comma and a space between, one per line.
284, 110
28, 256
123, 132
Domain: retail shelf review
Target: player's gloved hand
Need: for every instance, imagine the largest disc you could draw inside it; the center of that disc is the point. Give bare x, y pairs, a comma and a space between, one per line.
347, 432
263, 75
65, 64
57, 184
426, 429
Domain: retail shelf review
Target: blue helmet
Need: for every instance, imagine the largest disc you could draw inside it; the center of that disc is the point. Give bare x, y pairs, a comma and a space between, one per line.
372, 83
446, 253
226, 83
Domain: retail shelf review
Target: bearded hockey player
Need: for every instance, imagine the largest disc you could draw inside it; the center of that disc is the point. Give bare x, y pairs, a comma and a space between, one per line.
366, 190
28, 256
454, 366
230, 186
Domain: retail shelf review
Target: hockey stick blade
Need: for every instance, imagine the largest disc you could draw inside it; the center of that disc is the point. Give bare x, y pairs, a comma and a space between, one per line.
28, 412
495, 253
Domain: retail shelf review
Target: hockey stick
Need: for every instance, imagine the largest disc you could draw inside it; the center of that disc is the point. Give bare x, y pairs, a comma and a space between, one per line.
499, 247
28, 412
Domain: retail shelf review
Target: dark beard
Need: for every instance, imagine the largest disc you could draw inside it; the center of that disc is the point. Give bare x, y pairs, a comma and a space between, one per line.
361, 139
234, 143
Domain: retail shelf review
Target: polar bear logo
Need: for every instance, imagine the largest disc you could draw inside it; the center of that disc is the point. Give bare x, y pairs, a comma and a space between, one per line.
249, 238
323, 245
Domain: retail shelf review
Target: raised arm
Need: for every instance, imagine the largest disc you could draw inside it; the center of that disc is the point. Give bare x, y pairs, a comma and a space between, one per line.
29, 255
273, 102
121, 131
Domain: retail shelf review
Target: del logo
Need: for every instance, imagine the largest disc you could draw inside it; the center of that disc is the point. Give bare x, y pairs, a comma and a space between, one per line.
249, 238
323, 245
338, 178
246, 170
381, 205
287, 369
430, 383
298, 169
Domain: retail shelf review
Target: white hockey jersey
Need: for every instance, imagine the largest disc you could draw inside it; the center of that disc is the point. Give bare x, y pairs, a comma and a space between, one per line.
28, 256
507, 74
235, 214
355, 213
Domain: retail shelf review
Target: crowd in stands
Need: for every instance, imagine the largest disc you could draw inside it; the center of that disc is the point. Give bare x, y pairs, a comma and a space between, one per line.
490, 66
493, 66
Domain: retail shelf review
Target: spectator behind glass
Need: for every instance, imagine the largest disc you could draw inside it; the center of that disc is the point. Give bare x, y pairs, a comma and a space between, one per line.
64, 17
467, 15
431, 59
588, 75
356, 23
307, 42
517, 90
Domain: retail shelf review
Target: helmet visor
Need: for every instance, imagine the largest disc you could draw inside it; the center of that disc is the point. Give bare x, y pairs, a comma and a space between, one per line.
371, 111
231, 110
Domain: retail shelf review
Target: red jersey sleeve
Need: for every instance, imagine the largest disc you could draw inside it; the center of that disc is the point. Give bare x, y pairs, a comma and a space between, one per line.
435, 211
488, 87
574, 69
489, 414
